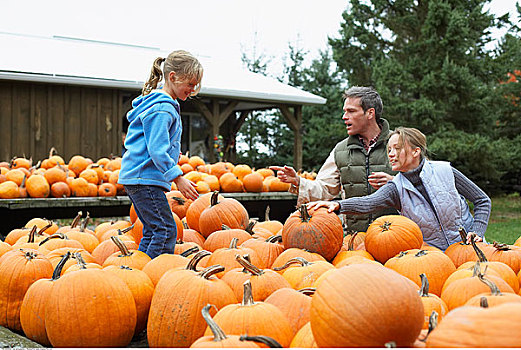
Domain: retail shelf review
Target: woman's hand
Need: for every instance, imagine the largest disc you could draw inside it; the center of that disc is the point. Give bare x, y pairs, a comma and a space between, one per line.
379, 178
186, 187
331, 206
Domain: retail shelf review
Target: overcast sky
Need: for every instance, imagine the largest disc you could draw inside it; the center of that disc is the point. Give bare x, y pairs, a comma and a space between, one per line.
221, 29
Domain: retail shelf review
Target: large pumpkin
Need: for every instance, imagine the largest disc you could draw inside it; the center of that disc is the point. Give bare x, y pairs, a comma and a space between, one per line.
227, 211
319, 232
473, 327
90, 308
18, 270
365, 305
389, 235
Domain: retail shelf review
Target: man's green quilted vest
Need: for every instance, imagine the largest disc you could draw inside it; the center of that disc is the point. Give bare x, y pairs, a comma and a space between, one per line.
355, 166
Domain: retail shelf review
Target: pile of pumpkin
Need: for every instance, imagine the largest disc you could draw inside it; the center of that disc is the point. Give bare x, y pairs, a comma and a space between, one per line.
52, 177
82, 177
234, 282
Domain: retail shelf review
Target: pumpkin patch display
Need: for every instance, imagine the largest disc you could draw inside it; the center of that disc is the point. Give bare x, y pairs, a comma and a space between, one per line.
227, 211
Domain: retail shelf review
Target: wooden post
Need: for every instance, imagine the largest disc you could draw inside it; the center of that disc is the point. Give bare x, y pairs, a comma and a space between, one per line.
295, 123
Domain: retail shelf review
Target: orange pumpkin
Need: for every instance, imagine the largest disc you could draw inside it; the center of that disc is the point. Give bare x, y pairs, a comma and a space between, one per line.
175, 317
388, 235
193, 213
230, 183
227, 211
96, 292
387, 297
319, 232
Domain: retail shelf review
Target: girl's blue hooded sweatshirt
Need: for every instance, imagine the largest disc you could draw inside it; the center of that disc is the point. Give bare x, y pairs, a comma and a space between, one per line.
153, 142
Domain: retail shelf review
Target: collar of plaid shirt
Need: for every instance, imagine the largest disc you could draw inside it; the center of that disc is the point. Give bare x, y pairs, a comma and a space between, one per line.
371, 142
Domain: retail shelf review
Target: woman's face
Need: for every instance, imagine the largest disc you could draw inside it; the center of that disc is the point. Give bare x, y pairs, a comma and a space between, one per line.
404, 158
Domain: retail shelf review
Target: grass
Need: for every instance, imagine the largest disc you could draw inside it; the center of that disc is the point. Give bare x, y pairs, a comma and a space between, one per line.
505, 219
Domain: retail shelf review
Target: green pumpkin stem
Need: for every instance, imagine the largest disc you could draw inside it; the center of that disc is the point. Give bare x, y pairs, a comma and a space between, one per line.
218, 333
190, 251
58, 269
247, 297
483, 302
211, 270
479, 252
494, 290
424, 290
304, 214
295, 260
254, 270
269, 341
192, 264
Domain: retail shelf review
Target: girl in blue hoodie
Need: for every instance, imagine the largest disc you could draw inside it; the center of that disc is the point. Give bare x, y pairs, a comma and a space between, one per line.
153, 144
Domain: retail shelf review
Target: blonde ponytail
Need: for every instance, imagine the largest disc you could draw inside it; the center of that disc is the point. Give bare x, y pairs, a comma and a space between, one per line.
156, 74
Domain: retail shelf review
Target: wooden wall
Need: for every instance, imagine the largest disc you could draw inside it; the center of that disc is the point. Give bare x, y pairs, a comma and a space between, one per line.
73, 119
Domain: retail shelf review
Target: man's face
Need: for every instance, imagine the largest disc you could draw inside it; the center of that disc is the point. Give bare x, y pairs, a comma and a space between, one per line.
354, 117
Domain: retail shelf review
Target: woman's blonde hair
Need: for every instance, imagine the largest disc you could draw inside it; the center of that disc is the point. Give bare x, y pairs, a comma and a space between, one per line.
413, 137
183, 63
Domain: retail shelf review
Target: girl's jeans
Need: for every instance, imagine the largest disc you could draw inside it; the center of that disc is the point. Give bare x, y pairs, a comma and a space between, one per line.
159, 228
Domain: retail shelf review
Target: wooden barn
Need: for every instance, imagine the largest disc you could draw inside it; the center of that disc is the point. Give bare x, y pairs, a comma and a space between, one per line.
73, 94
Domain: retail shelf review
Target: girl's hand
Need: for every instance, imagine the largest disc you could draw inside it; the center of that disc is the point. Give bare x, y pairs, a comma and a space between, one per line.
476, 237
331, 206
186, 187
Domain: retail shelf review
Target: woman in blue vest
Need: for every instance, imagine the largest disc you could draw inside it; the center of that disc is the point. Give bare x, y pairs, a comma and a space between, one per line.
431, 193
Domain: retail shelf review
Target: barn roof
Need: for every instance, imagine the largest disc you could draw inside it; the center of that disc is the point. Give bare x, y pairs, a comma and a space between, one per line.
66, 60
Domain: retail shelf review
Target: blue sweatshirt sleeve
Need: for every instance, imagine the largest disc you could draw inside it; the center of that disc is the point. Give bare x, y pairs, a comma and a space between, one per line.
156, 128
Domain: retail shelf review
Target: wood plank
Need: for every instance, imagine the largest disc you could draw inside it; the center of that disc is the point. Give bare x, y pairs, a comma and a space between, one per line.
72, 114
6, 112
41, 122
21, 120
290, 118
56, 118
227, 112
89, 117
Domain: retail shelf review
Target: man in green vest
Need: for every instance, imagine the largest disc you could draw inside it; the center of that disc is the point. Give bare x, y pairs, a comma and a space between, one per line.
357, 166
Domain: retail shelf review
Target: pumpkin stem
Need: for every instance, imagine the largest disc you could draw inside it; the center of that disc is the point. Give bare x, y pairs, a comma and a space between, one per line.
52, 151
295, 260
247, 297
54, 235
351, 242
307, 291
214, 200
218, 333
58, 269
80, 261
248, 259
43, 229
463, 235
390, 344
433, 323
76, 220
185, 225
304, 214
179, 200
31, 234
424, 290
250, 226
386, 226
267, 213
121, 246
192, 264
494, 290
483, 302
254, 270
84, 223
211, 270
274, 239
225, 227
269, 341
421, 252
126, 229
476, 271
479, 252
189, 251
501, 246
233, 243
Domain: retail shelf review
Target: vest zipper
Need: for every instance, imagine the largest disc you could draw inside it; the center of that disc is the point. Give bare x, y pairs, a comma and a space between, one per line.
367, 173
